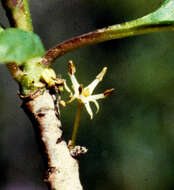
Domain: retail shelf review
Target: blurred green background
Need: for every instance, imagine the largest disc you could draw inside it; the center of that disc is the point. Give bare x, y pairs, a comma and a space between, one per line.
131, 139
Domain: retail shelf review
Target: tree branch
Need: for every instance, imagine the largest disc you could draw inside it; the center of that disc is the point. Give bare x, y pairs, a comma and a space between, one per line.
108, 33
41, 107
160, 20
63, 171
15, 71
18, 14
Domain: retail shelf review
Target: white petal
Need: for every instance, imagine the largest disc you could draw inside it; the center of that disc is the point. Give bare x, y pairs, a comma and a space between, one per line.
88, 108
71, 99
92, 85
97, 97
101, 74
75, 83
67, 88
96, 104
98, 79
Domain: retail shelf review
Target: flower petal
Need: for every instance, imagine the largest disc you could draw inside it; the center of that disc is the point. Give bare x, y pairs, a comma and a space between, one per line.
71, 73
92, 86
101, 74
96, 104
89, 110
66, 87
75, 84
96, 97
98, 79
71, 99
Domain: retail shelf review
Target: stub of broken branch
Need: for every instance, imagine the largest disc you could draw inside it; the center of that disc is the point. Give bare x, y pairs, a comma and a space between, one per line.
63, 169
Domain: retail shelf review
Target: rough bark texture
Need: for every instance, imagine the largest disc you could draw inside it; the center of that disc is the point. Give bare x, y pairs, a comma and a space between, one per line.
63, 169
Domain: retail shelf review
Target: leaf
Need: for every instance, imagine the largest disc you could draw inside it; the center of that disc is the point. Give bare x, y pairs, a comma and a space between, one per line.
160, 20
1, 29
18, 46
163, 15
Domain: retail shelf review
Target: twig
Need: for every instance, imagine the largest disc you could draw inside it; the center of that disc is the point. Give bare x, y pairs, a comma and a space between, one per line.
15, 71
18, 14
109, 33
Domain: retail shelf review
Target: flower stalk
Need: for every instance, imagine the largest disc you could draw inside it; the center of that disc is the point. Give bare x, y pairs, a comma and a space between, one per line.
76, 124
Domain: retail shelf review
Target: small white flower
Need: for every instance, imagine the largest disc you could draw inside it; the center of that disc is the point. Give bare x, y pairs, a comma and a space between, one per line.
84, 95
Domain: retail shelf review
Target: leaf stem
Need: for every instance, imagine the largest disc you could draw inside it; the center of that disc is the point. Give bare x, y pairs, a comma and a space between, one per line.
29, 25
76, 123
108, 33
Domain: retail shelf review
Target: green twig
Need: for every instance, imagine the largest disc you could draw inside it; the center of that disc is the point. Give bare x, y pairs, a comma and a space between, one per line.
18, 14
76, 124
101, 35
160, 20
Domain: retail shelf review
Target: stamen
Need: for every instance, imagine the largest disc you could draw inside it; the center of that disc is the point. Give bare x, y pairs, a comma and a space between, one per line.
80, 89
71, 68
108, 92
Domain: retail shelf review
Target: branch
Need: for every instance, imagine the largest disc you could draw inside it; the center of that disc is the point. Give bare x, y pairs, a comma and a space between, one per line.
101, 35
41, 107
18, 14
63, 171
160, 20
15, 71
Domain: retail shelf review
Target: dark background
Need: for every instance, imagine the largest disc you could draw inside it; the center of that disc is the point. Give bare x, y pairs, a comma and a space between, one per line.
131, 139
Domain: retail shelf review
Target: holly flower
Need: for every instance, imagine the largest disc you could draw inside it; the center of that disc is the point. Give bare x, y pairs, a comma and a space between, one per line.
85, 95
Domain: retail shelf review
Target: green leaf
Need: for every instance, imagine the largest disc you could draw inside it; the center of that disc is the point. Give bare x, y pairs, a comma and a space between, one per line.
19, 46
160, 20
163, 15
1, 29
